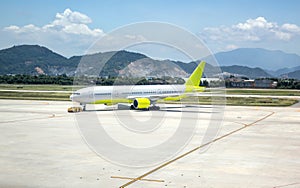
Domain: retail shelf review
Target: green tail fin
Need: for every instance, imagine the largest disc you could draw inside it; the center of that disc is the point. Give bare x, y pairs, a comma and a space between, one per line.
194, 79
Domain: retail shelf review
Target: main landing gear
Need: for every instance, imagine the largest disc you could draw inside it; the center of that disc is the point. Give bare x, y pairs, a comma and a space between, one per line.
152, 108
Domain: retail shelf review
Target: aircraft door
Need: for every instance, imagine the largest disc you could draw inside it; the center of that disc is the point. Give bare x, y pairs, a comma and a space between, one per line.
159, 91
91, 94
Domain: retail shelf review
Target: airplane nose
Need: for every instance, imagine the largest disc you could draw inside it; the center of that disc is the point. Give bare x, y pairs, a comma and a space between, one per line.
71, 97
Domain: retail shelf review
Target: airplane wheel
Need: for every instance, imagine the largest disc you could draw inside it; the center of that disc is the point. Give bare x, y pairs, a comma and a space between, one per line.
154, 108
132, 107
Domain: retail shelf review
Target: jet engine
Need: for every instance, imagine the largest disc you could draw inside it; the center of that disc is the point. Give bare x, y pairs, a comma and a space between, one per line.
141, 103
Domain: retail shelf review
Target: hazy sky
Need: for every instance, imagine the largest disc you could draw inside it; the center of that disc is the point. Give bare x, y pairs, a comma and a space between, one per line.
69, 27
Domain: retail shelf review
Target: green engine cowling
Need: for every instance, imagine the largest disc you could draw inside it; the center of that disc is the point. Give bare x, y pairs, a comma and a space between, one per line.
141, 103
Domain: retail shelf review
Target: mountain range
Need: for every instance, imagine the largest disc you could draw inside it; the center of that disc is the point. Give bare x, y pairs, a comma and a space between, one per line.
249, 62
257, 57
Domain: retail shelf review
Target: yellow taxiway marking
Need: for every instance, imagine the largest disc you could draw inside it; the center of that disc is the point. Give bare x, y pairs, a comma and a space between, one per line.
128, 178
193, 150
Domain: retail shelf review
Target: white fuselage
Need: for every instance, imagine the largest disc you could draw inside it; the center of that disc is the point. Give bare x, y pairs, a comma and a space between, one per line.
152, 92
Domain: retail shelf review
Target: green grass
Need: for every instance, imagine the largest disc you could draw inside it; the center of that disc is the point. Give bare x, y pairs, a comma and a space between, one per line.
39, 87
34, 95
239, 101
251, 101
273, 92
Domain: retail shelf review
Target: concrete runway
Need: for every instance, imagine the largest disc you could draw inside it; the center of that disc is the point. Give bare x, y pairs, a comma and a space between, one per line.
41, 146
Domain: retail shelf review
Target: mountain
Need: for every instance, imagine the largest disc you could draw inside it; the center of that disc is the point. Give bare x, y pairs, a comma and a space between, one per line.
153, 68
105, 64
187, 67
211, 71
294, 74
257, 57
34, 60
246, 71
283, 71
29, 59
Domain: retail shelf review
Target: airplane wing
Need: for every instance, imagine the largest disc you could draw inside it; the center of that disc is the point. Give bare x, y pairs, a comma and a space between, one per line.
154, 97
206, 94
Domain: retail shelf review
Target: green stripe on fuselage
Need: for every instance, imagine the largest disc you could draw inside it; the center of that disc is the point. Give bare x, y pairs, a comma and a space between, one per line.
178, 98
112, 101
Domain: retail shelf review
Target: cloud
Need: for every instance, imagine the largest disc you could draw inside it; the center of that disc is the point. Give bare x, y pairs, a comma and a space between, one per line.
258, 23
68, 22
25, 29
255, 30
291, 28
73, 23
71, 17
69, 28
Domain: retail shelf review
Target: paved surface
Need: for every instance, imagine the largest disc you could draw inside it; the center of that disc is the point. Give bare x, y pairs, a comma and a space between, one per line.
266, 96
41, 146
250, 96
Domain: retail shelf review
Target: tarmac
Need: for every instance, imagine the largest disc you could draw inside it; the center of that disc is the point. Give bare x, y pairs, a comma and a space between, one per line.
41, 145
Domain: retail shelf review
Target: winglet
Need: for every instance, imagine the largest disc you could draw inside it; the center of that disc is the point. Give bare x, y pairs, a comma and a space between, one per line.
194, 79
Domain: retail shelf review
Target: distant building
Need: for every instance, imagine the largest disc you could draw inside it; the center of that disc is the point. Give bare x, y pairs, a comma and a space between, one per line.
209, 80
245, 83
241, 83
265, 83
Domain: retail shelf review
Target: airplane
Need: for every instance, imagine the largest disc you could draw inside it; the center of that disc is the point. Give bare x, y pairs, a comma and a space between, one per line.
141, 97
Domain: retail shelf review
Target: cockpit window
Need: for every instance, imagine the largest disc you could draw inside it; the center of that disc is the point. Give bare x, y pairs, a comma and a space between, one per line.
76, 93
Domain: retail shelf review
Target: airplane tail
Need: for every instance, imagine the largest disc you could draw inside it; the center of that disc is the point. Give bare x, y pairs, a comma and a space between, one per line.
193, 82
194, 79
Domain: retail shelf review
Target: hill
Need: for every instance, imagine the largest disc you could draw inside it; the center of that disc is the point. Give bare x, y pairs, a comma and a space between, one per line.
246, 71
284, 71
294, 74
110, 63
257, 57
153, 68
30, 59
34, 60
